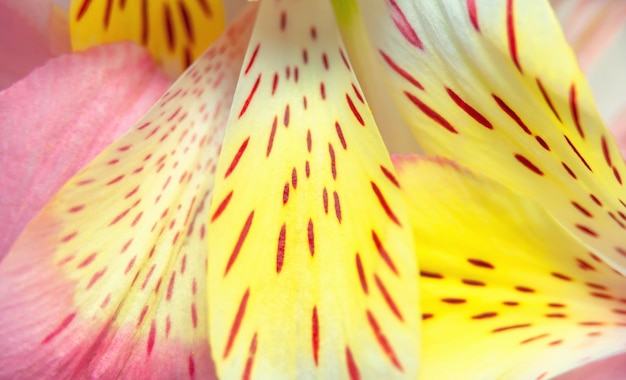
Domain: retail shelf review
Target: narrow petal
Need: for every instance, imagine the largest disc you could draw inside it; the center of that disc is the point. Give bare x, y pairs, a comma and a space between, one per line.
109, 280
500, 279
494, 86
311, 272
117, 84
31, 32
175, 31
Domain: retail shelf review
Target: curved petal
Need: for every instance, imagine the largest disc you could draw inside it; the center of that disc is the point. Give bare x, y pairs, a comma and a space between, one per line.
117, 84
108, 281
522, 297
312, 270
473, 80
31, 32
175, 31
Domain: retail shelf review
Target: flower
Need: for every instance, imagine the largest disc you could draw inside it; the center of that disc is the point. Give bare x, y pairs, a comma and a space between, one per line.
312, 234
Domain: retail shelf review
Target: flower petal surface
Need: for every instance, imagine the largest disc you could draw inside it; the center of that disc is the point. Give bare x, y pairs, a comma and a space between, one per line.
175, 31
109, 280
494, 86
516, 293
311, 273
44, 141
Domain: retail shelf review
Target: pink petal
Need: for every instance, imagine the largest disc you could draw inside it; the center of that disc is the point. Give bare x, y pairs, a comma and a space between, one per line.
31, 32
613, 368
59, 117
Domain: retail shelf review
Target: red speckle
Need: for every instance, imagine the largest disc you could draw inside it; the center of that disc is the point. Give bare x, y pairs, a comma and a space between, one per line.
471, 111
360, 271
315, 335
354, 110
473, 14
250, 96
242, 237
220, 209
432, 114
404, 26
66, 322
390, 302
340, 135
574, 109
151, 337
270, 142
510, 29
311, 237
194, 315
382, 341
353, 370
403, 73
384, 204
280, 251
528, 164
252, 59
237, 157
383, 252
251, 353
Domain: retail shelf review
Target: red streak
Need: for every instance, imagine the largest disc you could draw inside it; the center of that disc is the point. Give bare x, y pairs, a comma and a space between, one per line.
356, 113
250, 96
510, 28
251, 354
222, 207
383, 252
359, 268
388, 298
280, 251
236, 323
66, 322
511, 114
353, 370
473, 14
252, 59
404, 26
315, 335
471, 111
403, 73
384, 204
242, 237
237, 157
383, 342
432, 114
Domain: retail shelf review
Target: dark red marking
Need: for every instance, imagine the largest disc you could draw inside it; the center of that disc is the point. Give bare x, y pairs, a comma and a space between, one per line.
235, 161
96, 276
87, 260
286, 193
390, 176
353, 370
510, 29
344, 59
283, 20
510, 303
561, 276
556, 305
480, 263
270, 142
236, 323
473, 14
325, 200
280, 250
294, 178
512, 327
151, 338
62, 326
618, 177
384, 204
242, 237
337, 206
315, 335
587, 230
252, 59
115, 180
358, 94
322, 91
427, 316
313, 33
388, 299
454, 301
595, 200
191, 366
471, 111
534, 338
547, 99
361, 272
311, 237
383, 342
325, 61
432, 114
543, 143
582, 210
220, 209
170, 287
333, 166
251, 354
83, 9
250, 96
205, 8
473, 282
169, 27
403, 73
275, 83
577, 153
505, 107
427, 274
524, 289
107, 13
340, 135
286, 116
404, 26
574, 109
309, 142
383, 253
354, 110
529, 165
569, 171
76, 209
305, 56
484, 315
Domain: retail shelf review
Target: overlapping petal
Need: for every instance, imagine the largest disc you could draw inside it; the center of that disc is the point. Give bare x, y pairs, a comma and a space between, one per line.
44, 141
109, 280
494, 85
505, 291
312, 271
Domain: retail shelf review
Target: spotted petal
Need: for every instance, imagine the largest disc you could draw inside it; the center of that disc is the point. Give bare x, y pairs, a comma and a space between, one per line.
175, 31
109, 280
493, 85
508, 285
311, 273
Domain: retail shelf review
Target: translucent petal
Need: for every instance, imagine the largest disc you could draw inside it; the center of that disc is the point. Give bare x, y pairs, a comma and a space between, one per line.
494, 86
511, 289
118, 83
311, 273
109, 280
175, 31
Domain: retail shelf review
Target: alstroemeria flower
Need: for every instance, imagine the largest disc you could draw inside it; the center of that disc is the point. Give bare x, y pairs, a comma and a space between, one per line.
310, 268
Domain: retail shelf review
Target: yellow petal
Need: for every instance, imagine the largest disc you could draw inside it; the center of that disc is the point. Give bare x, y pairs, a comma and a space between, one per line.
311, 273
494, 86
109, 280
175, 31
506, 293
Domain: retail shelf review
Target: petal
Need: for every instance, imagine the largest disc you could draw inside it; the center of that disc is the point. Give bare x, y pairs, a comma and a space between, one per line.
31, 32
175, 31
108, 281
311, 272
501, 279
117, 84
473, 79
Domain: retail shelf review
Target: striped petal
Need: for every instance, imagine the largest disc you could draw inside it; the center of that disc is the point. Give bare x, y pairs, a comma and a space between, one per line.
175, 31
494, 86
118, 83
520, 295
109, 280
311, 273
